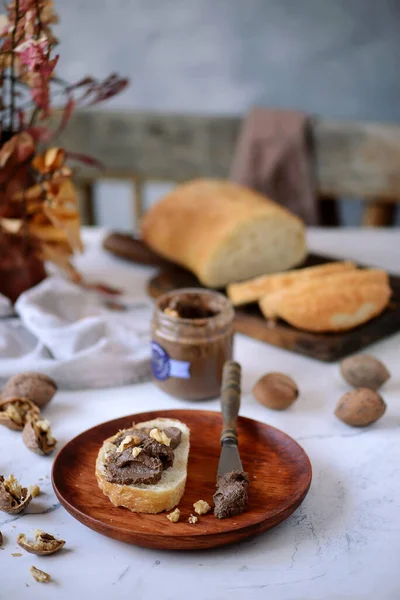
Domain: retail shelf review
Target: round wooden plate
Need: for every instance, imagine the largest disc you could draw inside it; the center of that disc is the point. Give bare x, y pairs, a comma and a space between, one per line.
279, 473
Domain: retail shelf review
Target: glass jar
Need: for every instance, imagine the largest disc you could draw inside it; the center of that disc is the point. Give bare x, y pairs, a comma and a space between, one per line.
192, 337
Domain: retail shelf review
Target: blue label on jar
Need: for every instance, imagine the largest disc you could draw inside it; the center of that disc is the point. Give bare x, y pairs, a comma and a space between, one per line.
163, 366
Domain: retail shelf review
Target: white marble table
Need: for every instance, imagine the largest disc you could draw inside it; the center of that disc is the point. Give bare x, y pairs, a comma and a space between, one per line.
343, 542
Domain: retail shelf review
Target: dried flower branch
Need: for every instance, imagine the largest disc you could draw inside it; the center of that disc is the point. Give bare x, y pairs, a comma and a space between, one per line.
38, 204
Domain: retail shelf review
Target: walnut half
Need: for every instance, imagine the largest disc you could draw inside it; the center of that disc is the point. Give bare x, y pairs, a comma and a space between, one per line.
38, 438
39, 575
13, 497
15, 412
44, 543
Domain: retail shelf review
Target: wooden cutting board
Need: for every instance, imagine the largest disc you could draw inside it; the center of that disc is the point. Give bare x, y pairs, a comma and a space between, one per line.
327, 347
279, 474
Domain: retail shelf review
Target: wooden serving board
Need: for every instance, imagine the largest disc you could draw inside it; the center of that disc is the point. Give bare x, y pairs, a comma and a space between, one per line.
249, 320
279, 473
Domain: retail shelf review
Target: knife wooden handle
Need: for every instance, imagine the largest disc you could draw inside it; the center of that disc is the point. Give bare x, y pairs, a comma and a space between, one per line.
230, 400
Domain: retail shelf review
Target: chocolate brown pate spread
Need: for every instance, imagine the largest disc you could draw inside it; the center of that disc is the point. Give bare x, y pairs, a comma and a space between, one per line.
192, 339
152, 458
231, 496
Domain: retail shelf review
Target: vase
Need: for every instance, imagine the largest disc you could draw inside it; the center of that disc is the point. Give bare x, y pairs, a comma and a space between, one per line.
19, 277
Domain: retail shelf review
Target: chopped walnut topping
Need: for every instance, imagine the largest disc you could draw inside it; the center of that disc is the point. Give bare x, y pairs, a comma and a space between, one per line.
171, 312
193, 519
201, 507
34, 490
160, 436
126, 443
39, 575
174, 516
136, 451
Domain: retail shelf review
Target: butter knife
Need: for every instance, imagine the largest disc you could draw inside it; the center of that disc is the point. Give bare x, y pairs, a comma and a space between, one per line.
230, 405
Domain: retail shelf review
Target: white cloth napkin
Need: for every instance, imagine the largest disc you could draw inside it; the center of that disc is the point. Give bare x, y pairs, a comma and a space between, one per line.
69, 334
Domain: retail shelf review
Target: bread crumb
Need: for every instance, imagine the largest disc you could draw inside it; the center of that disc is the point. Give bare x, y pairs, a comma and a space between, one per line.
34, 490
16, 554
193, 519
174, 516
39, 575
201, 507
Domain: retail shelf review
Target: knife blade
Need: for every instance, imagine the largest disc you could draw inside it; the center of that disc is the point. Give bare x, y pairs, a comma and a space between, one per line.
230, 404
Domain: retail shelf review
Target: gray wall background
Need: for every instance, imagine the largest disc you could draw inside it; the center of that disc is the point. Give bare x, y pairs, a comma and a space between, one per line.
337, 58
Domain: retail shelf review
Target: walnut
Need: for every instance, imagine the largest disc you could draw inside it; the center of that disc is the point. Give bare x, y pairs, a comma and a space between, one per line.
38, 438
174, 516
34, 490
13, 497
193, 519
276, 390
128, 442
201, 507
39, 575
39, 388
160, 436
136, 451
170, 312
364, 371
360, 407
44, 543
16, 411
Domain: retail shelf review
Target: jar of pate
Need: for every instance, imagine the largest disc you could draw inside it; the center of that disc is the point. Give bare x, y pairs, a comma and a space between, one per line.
192, 338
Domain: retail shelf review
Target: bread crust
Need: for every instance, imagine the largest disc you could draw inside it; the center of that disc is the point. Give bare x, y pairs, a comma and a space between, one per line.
338, 303
145, 498
254, 289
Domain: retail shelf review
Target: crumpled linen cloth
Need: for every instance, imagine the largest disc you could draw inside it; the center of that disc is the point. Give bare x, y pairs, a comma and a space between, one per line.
69, 334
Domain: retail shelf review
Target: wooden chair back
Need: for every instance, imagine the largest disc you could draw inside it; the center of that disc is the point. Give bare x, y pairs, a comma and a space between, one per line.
352, 160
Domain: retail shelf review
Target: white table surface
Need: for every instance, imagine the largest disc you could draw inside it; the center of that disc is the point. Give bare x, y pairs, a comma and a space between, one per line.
342, 543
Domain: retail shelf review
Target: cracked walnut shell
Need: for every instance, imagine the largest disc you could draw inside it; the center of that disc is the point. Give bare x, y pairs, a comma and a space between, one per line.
13, 497
43, 545
38, 438
39, 388
16, 411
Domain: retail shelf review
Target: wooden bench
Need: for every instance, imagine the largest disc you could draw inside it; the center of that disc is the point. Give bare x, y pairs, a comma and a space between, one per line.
352, 160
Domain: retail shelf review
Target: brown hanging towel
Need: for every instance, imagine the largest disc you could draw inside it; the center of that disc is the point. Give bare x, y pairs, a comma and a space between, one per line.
273, 156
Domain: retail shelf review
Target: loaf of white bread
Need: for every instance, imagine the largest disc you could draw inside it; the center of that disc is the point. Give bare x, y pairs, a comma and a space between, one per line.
223, 232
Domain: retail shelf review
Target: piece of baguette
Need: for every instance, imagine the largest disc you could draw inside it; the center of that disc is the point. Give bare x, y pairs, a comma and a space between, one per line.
223, 232
251, 291
146, 498
336, 303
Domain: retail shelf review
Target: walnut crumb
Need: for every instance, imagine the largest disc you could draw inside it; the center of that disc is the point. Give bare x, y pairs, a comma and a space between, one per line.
174, 516
34, 490
128, 442
193, 519
160, 436
201, 507
136, 451
16, 554
39, 575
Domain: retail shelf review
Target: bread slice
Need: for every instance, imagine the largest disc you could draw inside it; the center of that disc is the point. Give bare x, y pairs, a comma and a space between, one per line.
223, 232
336, 303
143, 498
253, 290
